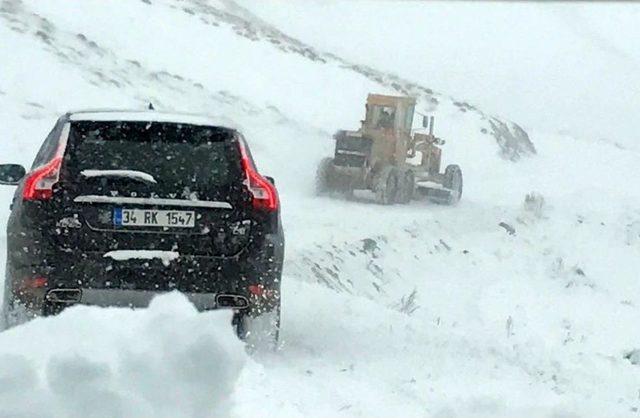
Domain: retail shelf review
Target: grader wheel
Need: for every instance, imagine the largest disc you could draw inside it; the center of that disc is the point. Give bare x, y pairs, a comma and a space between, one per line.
453, 182
325, 176
406, 186
387, 186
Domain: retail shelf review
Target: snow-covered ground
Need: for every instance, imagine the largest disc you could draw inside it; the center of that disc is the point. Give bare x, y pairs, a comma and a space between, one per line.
418, 310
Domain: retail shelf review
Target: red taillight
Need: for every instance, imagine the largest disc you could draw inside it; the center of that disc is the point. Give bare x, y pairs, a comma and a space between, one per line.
39, 183
34, 283
260, 291
256, 290
265, 196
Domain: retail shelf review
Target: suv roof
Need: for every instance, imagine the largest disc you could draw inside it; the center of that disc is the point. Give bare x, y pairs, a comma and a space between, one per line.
112, 115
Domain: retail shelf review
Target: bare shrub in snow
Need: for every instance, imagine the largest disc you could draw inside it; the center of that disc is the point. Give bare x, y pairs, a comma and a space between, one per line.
573, 275
557, 267
534, 204
633, 356
510, 229
633, 233
509, 327
408, 303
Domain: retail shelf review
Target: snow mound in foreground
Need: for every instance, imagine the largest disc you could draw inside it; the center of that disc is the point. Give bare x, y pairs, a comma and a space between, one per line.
165, 361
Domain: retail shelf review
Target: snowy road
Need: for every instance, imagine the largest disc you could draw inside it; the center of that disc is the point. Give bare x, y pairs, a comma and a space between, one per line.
501, 324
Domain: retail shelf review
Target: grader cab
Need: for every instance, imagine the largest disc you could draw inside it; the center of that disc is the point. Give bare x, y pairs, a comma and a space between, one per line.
384, 157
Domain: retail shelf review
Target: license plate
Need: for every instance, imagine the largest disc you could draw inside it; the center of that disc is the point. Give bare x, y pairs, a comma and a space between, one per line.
152, 217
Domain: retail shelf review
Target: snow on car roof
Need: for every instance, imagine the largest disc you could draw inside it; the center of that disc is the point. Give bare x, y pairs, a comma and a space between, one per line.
147, 116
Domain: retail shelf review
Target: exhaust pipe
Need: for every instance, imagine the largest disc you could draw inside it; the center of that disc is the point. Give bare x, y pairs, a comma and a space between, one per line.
64, 295
231, 301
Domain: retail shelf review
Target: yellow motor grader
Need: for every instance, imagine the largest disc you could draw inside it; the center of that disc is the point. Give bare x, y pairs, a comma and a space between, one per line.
383, 156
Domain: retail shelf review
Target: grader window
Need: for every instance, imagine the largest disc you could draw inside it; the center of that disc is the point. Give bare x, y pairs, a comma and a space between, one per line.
408, 122
384, 117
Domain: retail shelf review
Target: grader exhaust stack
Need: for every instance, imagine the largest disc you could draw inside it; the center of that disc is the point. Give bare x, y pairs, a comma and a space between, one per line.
384, 157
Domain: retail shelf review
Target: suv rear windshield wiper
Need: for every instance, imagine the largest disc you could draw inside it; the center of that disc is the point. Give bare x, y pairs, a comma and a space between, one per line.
128, 174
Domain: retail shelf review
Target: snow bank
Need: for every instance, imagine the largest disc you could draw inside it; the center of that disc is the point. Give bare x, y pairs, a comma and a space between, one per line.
165, 361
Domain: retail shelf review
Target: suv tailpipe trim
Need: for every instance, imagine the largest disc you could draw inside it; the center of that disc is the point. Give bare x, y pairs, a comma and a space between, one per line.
64, 295
231, 301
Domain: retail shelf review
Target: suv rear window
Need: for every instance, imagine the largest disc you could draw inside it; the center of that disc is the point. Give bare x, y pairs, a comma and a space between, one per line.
184, 156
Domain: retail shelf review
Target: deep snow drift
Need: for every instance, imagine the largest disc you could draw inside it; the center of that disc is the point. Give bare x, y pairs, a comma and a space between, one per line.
168, 361
416, 310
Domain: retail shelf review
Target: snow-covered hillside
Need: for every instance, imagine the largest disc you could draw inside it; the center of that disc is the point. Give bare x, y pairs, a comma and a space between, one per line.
416, 310
567, 66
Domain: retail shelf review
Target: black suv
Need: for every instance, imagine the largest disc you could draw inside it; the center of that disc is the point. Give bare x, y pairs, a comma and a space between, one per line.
120, 206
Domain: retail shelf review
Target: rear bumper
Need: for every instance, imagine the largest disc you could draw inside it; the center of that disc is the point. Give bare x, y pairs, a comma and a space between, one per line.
140, 298
103, 281
47, 304
17, 311
259, 263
